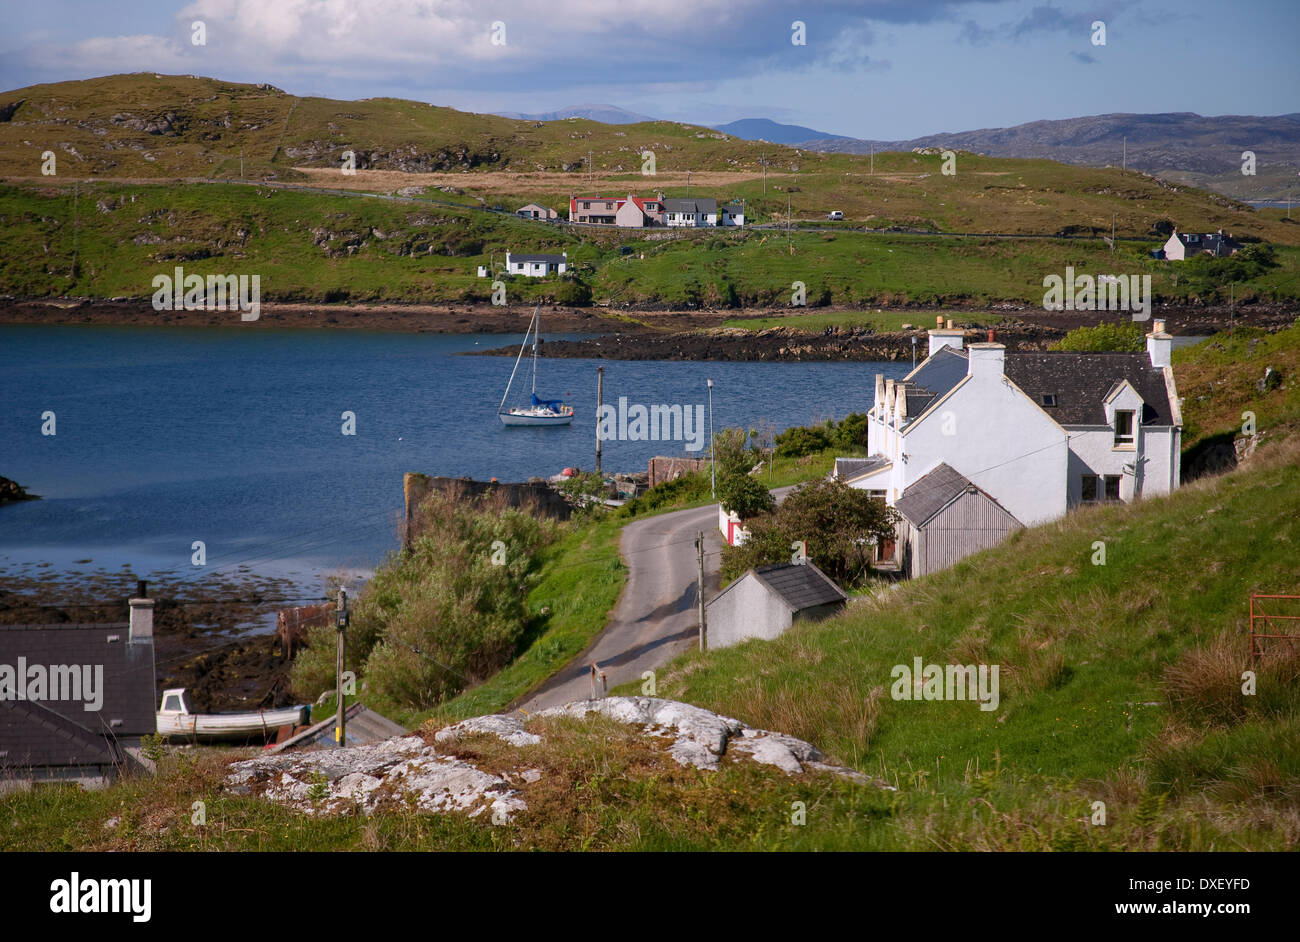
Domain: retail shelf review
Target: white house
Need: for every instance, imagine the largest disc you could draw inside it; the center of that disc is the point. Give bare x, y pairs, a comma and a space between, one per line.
1035, 433
733, 529
537, 266
690, 212
1182, 245
733, 214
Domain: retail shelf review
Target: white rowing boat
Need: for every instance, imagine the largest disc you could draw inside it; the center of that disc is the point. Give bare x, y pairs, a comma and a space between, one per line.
176, 719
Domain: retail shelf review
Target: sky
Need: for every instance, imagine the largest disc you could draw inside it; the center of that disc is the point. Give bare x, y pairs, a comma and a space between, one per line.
879, 69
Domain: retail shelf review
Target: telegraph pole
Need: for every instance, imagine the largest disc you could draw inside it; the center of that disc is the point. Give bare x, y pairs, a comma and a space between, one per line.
699, 591
342, 623
600, 401
763, 161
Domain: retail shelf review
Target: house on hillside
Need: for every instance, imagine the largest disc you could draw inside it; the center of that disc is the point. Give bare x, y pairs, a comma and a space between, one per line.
628, 212
764, 602
1183, 245
534, 211
537, 266
1035, 434
733, 214
691, 212
76, 700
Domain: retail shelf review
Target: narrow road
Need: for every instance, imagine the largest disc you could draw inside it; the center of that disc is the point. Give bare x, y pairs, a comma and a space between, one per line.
656, 617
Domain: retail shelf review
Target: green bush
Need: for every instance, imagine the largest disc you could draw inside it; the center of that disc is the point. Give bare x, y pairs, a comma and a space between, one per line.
802, 440
837, 524
744, 495
1127, 337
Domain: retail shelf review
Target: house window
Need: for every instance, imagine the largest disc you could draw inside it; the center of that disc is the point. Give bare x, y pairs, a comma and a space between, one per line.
1112, 487
1088, 488
586, 206
1123, 428
1049, 399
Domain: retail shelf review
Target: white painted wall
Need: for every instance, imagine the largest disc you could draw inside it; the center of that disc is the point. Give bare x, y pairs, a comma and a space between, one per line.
746, 610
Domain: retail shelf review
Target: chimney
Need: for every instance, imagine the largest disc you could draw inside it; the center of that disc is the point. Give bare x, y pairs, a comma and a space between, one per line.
1160, 346
900, 394
889, 399
880, 395
986, 359
940, 337
938, 322
990, 335
141, 618
950, 323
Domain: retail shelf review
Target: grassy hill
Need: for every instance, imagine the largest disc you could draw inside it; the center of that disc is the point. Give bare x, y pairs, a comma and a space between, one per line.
160, 127
106, 240
1119, 683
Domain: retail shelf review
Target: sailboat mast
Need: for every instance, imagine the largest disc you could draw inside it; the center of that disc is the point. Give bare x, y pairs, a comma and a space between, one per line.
537, 321
522, 347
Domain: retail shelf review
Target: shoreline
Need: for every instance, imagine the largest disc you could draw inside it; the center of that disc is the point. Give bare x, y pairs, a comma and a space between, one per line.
631, 334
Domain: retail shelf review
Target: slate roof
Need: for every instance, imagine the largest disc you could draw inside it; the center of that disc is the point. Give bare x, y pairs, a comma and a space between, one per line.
364, 726
733, 209
931, 492
802, 586
702, 205
63, 732
939, 373
846, 469
552, 259
1081, 381
1215, 243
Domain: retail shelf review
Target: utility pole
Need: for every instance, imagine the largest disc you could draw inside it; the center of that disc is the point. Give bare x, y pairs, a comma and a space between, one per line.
873, 158
699, 591
763, 161
241, 163
76, 229
713, 463
342, 613
1124, 165
688, 183
1232, 312
600, 402
591, 169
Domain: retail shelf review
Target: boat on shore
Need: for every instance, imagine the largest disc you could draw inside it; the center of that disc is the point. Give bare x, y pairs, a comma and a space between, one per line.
539, 412
176, 719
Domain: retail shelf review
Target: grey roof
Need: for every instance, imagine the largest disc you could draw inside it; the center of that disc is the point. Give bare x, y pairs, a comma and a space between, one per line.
522, 257
364, 726
1081, 382
939, 373
931, 492
848, 468
734, 209
1214, 242
799, 586
691, 205
62, 732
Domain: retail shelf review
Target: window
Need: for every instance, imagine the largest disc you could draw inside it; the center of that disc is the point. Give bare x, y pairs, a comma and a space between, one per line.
1123, 428
173, 704
1049, 399
1112, 487
1088, 488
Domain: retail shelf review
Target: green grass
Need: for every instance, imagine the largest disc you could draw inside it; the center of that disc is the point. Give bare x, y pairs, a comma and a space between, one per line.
879, 321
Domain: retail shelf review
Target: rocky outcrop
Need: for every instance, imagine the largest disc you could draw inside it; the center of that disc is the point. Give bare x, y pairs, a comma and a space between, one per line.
11, 492
408, 772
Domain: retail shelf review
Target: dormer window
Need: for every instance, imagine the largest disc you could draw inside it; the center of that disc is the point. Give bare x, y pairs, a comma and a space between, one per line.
1049, 399
1123, 427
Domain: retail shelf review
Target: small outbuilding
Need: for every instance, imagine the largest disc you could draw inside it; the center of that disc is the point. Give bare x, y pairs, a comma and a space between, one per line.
944, 518
765, 601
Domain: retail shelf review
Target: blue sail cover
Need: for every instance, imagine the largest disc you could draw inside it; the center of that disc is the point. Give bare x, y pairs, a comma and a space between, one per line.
549, 403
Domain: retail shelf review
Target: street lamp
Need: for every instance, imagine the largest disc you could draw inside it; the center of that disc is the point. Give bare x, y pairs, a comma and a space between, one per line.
713, 458
341, 609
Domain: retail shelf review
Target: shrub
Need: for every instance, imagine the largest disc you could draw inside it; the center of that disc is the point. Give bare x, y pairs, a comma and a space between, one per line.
744, 495
836, 522
1127, 337
802, 440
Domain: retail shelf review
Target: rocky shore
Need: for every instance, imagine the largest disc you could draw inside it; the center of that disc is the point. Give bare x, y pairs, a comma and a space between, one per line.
11, 492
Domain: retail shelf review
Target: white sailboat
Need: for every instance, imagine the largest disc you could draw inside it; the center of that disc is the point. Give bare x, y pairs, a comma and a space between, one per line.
539, 411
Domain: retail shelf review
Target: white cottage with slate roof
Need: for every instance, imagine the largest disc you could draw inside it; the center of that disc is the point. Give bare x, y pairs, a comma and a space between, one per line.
765, 601
1037, 433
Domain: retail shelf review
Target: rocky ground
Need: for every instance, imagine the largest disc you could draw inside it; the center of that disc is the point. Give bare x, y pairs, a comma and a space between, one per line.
11, 492
453, 770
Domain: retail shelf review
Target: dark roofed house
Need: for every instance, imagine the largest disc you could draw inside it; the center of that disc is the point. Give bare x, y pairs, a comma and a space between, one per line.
691, 211
76, 700
1183, 245
765, 601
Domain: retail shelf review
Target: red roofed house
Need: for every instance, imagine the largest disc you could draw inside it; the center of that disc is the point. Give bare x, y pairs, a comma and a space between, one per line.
629, 212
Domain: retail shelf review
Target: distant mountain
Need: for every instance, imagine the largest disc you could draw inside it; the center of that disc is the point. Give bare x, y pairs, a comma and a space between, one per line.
1188, 147
763, 129
605, 114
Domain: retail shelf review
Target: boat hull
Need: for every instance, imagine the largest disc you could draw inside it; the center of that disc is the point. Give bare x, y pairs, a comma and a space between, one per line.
230, 725
524, 419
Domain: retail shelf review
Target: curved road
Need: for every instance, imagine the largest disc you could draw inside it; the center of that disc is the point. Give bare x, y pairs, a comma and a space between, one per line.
656, 617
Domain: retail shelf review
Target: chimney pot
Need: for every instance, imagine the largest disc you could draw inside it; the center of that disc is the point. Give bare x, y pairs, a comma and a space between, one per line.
990, 335
950, 323
141, 621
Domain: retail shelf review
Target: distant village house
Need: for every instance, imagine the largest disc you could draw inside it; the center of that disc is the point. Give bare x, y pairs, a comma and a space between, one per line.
537, 266
766, 601
1183, 245
533, 211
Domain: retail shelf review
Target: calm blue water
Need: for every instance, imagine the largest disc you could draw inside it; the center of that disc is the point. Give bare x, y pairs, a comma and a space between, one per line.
166, 436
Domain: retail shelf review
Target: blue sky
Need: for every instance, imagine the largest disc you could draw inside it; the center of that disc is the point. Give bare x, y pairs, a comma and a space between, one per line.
884, 69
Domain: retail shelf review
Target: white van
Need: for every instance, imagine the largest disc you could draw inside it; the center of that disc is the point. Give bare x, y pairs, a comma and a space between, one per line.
835, 214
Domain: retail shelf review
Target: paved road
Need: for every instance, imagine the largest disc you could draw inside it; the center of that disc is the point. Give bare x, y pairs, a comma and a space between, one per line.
656, 617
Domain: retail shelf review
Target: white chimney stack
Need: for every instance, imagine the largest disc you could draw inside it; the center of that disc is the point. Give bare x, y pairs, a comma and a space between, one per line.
880, 394
141, 621
1160, 346
946, 337
986, 359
